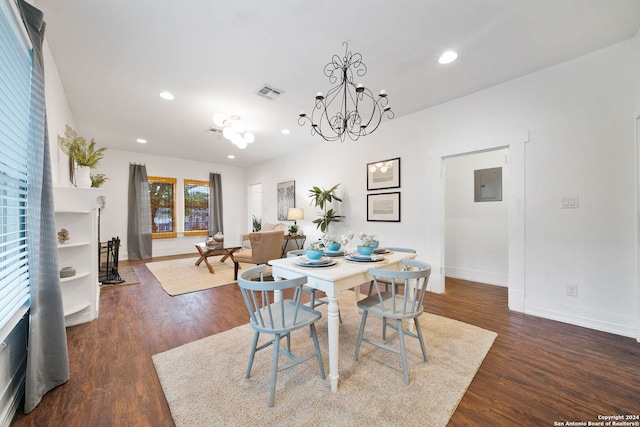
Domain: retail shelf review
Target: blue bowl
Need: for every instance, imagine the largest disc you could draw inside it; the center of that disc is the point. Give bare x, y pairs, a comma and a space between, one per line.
333, 246
365, 250
374, 244
311, 254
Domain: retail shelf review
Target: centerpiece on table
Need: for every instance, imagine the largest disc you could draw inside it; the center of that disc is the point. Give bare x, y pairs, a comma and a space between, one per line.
332, 244
368, 243
315, 250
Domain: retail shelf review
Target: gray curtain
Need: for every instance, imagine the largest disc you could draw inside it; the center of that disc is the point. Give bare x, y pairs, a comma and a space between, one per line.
215, 204
47, 357
139, 214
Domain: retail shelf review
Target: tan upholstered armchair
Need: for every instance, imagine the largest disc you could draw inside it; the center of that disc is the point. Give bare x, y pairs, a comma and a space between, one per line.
246, 243
265, 246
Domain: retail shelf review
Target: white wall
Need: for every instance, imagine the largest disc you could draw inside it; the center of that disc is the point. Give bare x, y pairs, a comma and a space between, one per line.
58, 115
476, 234
113, 217
578, 119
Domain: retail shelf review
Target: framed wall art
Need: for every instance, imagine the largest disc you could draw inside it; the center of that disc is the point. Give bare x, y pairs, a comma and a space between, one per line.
383, 207
286, 198
383, 174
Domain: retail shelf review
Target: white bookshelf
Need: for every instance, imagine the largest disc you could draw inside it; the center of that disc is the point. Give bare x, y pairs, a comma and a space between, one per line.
76, 209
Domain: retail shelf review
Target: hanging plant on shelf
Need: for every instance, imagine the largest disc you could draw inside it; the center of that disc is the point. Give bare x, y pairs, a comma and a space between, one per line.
83, 154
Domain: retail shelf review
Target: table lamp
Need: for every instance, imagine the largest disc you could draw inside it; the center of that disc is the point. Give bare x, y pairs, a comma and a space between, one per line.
294, 214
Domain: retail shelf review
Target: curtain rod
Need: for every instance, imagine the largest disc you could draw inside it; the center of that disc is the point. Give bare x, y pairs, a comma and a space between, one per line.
135, 163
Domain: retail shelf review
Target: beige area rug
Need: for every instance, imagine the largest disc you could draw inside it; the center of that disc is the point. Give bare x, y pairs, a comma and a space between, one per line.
181, 276
204, 381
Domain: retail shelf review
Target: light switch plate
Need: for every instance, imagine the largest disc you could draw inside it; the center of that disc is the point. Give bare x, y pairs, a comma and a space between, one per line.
570, 202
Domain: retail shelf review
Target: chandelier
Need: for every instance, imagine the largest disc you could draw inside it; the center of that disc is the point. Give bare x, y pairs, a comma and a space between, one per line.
348, 108
233, 128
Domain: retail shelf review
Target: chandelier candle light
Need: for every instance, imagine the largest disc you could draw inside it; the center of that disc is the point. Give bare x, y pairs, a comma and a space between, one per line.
234, 130
349, 108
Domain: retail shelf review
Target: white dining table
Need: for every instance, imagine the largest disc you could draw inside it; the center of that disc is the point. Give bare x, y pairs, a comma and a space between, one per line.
332, 280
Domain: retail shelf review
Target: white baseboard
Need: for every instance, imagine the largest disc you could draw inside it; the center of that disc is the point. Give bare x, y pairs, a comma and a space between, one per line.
591, 322
487, 277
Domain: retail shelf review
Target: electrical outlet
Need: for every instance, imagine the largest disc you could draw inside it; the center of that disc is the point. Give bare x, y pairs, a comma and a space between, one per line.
572, 290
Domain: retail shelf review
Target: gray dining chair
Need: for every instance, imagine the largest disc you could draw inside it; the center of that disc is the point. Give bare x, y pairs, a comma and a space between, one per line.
393, 306
313, 301
278, 317
384, 280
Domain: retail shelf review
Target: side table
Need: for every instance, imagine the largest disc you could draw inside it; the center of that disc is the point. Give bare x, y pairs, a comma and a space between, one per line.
298, 239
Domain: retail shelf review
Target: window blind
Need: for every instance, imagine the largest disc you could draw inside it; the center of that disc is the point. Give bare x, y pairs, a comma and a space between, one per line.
15, 87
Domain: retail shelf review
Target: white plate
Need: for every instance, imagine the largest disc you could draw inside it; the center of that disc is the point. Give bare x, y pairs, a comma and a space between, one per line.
334, 253
303, 261
380, 251
365, 258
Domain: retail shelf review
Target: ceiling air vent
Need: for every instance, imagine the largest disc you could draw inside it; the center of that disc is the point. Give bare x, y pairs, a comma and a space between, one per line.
269, 92
215, 131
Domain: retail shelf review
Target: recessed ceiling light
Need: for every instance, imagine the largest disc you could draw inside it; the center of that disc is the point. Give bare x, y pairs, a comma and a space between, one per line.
231, 156
166, 95
285, 131
447, 57
141, 141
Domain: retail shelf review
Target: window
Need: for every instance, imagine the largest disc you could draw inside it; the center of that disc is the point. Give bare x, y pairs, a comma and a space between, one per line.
15, 89
196, 207
162, 192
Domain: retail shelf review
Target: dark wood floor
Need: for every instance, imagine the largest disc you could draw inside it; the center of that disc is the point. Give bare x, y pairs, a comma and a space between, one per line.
537, 372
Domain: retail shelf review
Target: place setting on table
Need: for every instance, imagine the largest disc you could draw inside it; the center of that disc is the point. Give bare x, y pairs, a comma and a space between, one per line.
326, 252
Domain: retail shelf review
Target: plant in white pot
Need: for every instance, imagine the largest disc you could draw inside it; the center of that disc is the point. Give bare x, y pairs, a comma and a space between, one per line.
322, 198
85, 156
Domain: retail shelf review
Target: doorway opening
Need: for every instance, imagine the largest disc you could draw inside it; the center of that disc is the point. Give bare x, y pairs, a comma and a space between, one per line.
476, 200
516, 144
254, 204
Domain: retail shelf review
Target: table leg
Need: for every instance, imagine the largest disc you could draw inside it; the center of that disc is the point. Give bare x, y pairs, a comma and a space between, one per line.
356, 292
209, 266
333, 322
203, 255
228, 253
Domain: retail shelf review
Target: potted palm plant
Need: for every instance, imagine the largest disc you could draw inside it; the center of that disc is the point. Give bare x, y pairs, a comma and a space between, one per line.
84, 155
323, 198
256, 223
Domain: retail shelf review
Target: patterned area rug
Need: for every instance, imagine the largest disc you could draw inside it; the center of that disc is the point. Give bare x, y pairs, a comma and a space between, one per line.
204, 381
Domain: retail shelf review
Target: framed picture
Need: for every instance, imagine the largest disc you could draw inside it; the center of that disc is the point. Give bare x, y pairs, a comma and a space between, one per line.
286, 198
383, 207
383, 174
